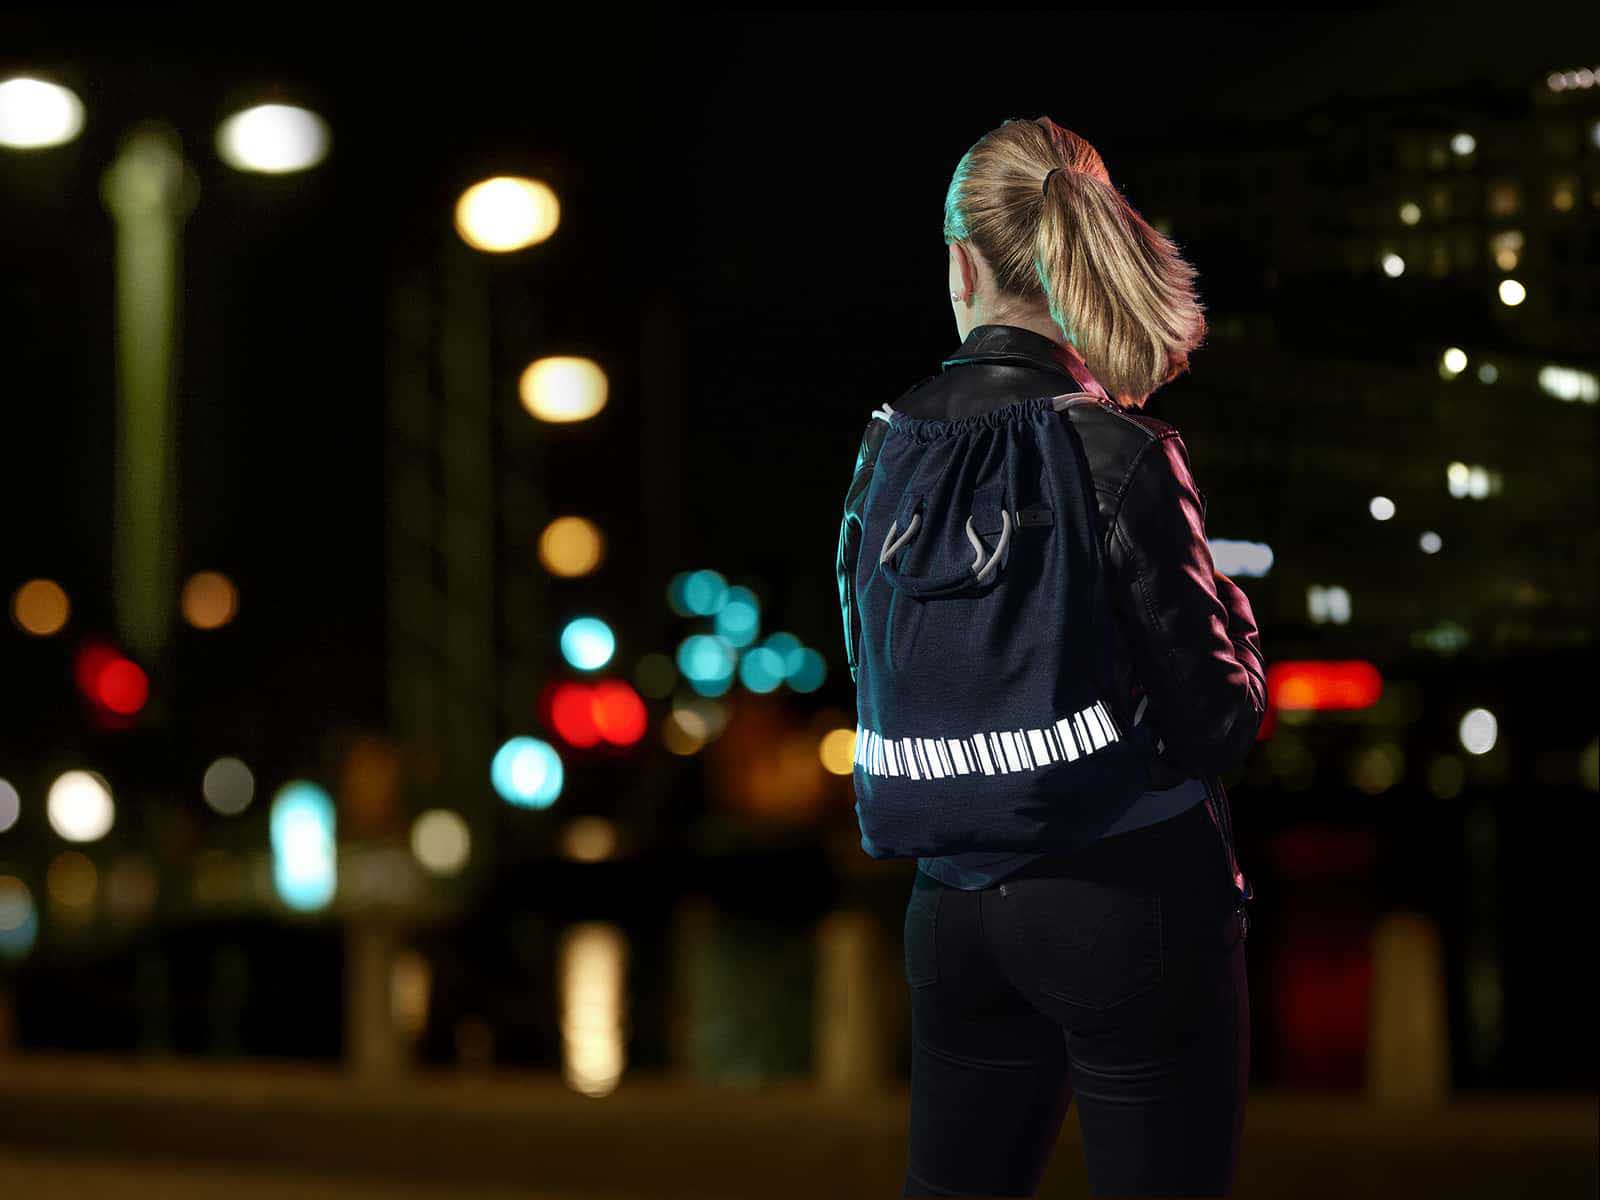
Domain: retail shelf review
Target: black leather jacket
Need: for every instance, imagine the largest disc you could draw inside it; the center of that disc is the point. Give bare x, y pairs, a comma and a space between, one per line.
1185, 634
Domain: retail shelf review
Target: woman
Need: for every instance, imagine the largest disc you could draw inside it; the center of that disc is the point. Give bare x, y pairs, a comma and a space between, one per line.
1113, 971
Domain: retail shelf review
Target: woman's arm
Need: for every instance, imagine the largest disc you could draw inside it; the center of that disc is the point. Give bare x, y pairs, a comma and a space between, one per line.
1192, 633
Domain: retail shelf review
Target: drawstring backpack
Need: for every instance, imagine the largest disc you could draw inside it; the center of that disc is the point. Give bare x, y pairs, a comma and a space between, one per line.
986, 713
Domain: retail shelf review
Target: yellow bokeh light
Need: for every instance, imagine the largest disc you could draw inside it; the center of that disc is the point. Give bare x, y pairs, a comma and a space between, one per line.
441, 841
72, 880
571, 546
589, 839
678, 735
838, 751
563, 388
507, 213
209, 600
1512, 293
40, 607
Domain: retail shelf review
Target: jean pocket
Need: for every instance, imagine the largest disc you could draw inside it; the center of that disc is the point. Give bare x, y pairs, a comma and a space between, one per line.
922, 932
1092, 944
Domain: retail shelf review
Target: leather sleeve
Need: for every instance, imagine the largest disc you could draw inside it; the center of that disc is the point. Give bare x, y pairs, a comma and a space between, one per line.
850, 528
1192, 634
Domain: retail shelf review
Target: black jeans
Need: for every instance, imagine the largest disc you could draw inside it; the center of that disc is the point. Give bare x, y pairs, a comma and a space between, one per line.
1115, 972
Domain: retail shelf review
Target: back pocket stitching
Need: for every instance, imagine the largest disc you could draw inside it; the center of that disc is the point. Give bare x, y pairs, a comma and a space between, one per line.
1159, 974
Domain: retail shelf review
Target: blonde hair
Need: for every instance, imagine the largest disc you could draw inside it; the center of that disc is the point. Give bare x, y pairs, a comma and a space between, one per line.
1117, 287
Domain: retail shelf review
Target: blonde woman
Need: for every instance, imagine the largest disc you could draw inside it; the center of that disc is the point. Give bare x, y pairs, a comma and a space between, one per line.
1112, 972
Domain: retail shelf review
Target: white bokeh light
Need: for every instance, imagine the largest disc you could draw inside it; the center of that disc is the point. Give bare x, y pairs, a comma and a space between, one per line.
1381, 507
1478, 731
273, 138
79, 806
35, 114
441, 841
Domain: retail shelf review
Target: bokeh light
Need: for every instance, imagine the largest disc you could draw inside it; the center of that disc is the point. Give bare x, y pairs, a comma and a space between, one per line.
655, 675
209, 600
1381, 508
837, 750
527, 772
441, 841
10, 805
1430, 542
304, 857
563, 388
589, 839
40, 607
572, 714
809, 671
507, 213
704, 593
19, 922
587, 643
571, 547
228, 786
1512, 293
1394, 266
682, 732
593, 962
1478, 731
761, 669
110, 679
273, 138
79, 806
35, 113
738, 618
1410, 213
72, 883
705, 658
619, 713
1452, 362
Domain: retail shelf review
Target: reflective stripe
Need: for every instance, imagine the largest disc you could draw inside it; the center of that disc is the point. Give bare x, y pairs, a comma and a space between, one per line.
988, 752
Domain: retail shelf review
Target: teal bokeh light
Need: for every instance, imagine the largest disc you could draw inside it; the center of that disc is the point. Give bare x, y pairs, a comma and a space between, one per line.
705, 658
739, 618
677, 594
712, 687
704, 593
527, 772
761, 669
304, 855
787, 647
588, 643
809, 672
19, 921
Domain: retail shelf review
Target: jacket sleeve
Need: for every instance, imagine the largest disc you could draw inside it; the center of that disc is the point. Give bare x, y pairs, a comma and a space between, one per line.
850, 530
1192, 633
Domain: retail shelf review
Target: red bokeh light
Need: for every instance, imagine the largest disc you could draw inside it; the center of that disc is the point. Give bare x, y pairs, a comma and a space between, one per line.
1323, 685
111, 680
572, 714
123, 687
619, 713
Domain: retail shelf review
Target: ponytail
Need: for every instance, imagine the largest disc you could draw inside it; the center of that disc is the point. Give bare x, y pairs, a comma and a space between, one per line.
1118, 288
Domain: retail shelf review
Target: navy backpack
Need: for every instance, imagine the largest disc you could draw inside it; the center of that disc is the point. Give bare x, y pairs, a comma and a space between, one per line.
986, 718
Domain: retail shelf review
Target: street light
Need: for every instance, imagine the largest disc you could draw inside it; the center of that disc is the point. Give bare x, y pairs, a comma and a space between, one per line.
150, 189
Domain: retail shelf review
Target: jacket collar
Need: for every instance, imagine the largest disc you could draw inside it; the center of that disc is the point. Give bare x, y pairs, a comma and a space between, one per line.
1024, 348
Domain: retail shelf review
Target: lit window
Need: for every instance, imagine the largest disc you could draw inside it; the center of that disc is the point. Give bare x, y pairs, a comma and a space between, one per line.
1564, 193
1506, 249
1503, 198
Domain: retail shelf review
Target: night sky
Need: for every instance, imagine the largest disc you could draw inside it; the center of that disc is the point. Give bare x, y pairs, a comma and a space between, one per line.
777, 178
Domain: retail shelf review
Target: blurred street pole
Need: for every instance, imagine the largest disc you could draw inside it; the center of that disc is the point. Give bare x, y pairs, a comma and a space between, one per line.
849, 1041
149, 190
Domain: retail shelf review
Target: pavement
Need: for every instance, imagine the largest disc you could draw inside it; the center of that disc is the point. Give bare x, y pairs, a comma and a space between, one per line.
89, 1126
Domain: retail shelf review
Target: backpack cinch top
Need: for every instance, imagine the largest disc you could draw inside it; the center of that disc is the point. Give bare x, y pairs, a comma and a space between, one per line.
983, 720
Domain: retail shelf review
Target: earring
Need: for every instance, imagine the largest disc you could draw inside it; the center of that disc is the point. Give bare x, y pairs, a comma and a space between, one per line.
956, 296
